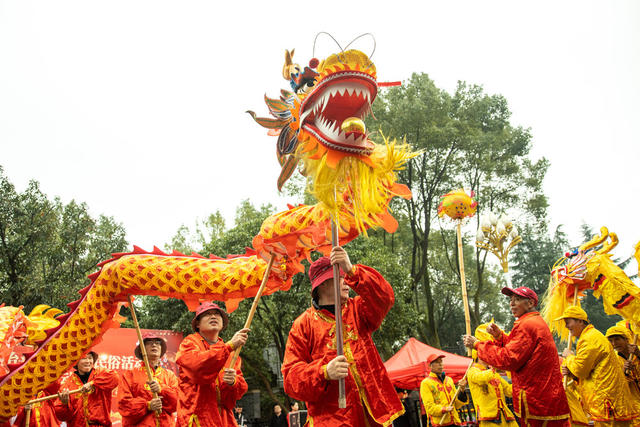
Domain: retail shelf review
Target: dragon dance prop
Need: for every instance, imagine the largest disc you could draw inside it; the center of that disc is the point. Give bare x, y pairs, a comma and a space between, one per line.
319, 125
591, 267
458, 205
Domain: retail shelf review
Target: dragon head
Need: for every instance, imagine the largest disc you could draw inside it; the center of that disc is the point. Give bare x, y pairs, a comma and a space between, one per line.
587, 267
321, 124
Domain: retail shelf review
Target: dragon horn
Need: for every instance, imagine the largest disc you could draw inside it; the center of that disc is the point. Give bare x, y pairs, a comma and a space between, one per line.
38, 310
613, 237
288, 62
596, 240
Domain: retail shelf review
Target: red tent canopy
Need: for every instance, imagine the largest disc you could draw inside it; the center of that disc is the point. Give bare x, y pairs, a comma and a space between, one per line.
408, 367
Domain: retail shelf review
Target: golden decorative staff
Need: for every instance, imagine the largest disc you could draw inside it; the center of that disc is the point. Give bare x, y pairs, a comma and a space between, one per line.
498, 236
458, 205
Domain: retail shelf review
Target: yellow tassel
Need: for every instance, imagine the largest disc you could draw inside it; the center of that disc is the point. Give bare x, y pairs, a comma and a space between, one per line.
363, 185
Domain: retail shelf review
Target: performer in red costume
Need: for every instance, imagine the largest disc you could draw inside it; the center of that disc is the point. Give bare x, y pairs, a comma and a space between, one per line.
529, 352
93, 405
201, 357
311, 368
137, 405
42, 414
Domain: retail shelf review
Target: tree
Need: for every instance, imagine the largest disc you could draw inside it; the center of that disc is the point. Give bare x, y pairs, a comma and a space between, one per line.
48, 248
464, 138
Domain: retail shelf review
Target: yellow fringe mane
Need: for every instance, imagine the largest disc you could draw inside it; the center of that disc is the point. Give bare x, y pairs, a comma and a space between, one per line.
360, 188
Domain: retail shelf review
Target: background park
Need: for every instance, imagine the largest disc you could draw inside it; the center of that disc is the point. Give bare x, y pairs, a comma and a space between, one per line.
53, 230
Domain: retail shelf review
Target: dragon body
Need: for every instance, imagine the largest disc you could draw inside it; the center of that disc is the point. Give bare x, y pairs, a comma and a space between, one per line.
319, 125
591, 267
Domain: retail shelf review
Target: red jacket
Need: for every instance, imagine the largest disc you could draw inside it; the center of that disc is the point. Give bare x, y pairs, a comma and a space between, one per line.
42, 414
200, 365
90, 407
530, 353
311, 345
230, 394
135, 396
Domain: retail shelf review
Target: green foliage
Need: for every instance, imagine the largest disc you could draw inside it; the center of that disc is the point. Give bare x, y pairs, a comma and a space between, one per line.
466, 139
47, 248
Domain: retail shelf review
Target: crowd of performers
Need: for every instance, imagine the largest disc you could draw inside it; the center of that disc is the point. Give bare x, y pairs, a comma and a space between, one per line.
602, 382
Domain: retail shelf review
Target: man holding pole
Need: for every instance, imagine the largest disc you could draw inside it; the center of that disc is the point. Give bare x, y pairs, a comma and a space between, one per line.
438, 394
619, 337
137, 405
529, 352
201, 357
311, 367
93, 405
595, 365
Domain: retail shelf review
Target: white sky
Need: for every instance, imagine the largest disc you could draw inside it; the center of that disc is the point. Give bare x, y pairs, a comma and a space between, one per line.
137, 107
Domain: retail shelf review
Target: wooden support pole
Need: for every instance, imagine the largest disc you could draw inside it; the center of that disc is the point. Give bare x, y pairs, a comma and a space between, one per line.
335, 241
254, 306
631, 356
575, 301
143, 351
465, 299
53, 396
27, 419
455, 395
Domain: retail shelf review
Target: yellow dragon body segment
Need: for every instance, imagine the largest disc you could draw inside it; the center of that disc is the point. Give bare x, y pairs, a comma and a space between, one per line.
190, 278
591, 268
319, 125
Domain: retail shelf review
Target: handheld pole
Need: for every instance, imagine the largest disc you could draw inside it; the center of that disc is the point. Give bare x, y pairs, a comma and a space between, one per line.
631, 356
465, 300
143, 351
335, 241
27, 419
455, 395
254, 306
53, 396
575, 301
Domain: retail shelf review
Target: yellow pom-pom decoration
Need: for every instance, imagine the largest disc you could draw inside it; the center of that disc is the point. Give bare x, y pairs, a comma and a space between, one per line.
457, 205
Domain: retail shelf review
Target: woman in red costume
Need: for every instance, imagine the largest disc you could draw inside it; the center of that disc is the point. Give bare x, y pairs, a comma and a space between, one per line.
201, 357
311, 368
93, 405
529, 352
137, 405
42, 414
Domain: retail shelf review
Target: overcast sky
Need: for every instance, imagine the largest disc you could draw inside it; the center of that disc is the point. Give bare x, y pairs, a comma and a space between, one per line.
138, 107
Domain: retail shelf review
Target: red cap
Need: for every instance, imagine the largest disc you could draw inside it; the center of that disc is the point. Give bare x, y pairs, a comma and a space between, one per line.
321, 271
433, 357
522, 291
151, 336
207, 306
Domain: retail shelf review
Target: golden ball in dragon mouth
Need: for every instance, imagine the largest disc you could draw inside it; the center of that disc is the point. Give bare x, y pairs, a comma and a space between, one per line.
353, 124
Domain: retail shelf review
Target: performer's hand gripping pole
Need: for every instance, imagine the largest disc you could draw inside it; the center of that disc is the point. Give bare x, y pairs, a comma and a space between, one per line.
254, 306
465, 300
455, 395
143, 351
335, 241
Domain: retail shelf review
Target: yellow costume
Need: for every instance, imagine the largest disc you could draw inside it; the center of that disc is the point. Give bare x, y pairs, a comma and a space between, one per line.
633, 375
576, 405
435, 396
488, 390
601, 379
